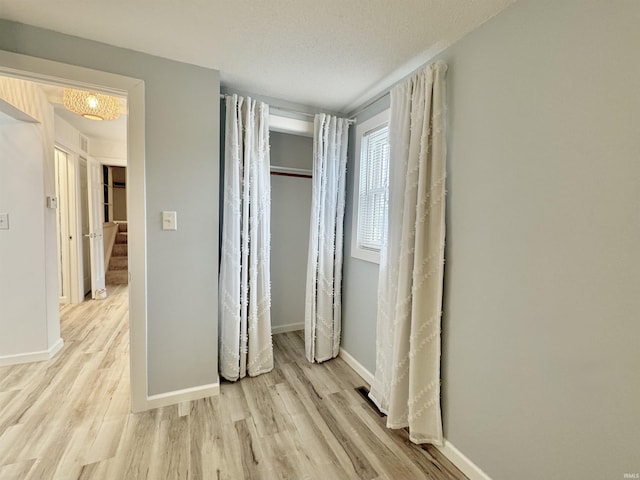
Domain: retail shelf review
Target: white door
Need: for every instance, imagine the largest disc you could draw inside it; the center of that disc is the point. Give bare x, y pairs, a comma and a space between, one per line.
96, 240
86, 227
62, 220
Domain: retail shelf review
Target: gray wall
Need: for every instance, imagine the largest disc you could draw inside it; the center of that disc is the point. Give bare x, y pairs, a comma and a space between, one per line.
540, 325
290, 216
182, 125
360, 278
291, 151
541, 311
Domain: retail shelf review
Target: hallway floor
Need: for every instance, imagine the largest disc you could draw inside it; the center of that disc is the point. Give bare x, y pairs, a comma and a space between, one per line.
69, 418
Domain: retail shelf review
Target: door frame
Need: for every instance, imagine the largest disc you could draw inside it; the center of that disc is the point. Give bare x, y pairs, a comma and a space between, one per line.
74, 200
63, 224
81, 271
95, 205
46, 71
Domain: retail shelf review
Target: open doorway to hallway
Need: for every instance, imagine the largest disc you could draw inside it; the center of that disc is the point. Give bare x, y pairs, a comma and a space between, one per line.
47, 320
91, 186
91, 178
69, 155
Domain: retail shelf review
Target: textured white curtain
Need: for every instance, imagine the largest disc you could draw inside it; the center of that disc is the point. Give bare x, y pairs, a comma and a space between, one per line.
244, 287
324, 268
407, 380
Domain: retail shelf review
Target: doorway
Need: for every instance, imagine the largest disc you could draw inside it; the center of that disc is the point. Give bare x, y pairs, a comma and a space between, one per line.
38, 70
82, 252
84, 223
63, 166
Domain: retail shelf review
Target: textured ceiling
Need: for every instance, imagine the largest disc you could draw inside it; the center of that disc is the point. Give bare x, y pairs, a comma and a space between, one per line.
334, 54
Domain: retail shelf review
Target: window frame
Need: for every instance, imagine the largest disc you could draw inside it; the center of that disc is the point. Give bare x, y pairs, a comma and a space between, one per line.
375, 122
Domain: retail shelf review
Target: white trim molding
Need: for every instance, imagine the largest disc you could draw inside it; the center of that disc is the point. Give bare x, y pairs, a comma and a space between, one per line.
362, 130
39, 356
460, 460
290, 327
184, 395
294, 126
366, 375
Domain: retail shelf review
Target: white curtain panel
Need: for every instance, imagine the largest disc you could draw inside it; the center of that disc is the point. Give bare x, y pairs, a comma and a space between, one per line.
324, 269
244, 287
406, 385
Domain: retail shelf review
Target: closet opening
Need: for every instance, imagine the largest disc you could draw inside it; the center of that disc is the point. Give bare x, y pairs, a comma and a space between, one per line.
291, 187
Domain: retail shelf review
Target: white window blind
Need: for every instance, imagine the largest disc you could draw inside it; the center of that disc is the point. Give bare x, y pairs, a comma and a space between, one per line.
371, 187
374, 187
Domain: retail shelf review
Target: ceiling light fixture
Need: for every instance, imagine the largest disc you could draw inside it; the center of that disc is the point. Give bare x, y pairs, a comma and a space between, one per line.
94, 106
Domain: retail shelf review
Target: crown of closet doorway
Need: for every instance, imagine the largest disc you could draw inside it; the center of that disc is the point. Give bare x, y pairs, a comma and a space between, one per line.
286, 124
293, 126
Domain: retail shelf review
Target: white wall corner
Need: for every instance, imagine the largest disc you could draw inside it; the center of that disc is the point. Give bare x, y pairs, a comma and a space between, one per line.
39, 356
460, 460
366, 375
55, 348
185, 395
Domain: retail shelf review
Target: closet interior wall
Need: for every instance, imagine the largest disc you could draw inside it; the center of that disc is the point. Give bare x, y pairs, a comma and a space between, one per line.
290, 216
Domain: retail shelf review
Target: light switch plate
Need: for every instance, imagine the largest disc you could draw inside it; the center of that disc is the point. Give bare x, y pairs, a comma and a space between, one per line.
169, 221
4, 221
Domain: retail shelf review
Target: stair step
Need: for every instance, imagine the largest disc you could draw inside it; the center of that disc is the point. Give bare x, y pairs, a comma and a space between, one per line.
119, 250
121, 237
122, 226
117, 277
118, 263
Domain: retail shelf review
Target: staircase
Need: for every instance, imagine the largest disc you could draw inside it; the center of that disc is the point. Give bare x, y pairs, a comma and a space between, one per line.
118, 272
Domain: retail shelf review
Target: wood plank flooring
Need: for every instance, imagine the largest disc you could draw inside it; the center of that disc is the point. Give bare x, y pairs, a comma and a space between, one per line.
69, 418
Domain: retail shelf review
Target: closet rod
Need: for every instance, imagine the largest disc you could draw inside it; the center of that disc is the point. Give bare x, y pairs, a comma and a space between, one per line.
296, 112
298, 175
290, 172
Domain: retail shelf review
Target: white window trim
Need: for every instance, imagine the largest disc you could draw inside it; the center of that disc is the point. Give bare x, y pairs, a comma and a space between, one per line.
366, 126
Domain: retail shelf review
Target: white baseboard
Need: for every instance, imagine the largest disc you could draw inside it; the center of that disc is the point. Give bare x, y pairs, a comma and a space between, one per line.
366, 375
456, 457
185, 395
55, 348
40, 356
290, 327
461, 461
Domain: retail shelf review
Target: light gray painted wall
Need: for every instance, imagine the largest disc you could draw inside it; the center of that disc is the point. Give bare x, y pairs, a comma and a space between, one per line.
290, 216
291, 151
540, 325
182, 152
541, 311
360, 278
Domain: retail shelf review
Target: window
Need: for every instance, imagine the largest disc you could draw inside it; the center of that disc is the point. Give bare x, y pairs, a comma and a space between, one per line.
372, 188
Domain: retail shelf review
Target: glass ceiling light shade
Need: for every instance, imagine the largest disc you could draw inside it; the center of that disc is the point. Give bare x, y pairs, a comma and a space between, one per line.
94, 106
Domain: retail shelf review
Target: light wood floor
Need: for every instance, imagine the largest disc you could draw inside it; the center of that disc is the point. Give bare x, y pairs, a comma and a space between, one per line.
69, 418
